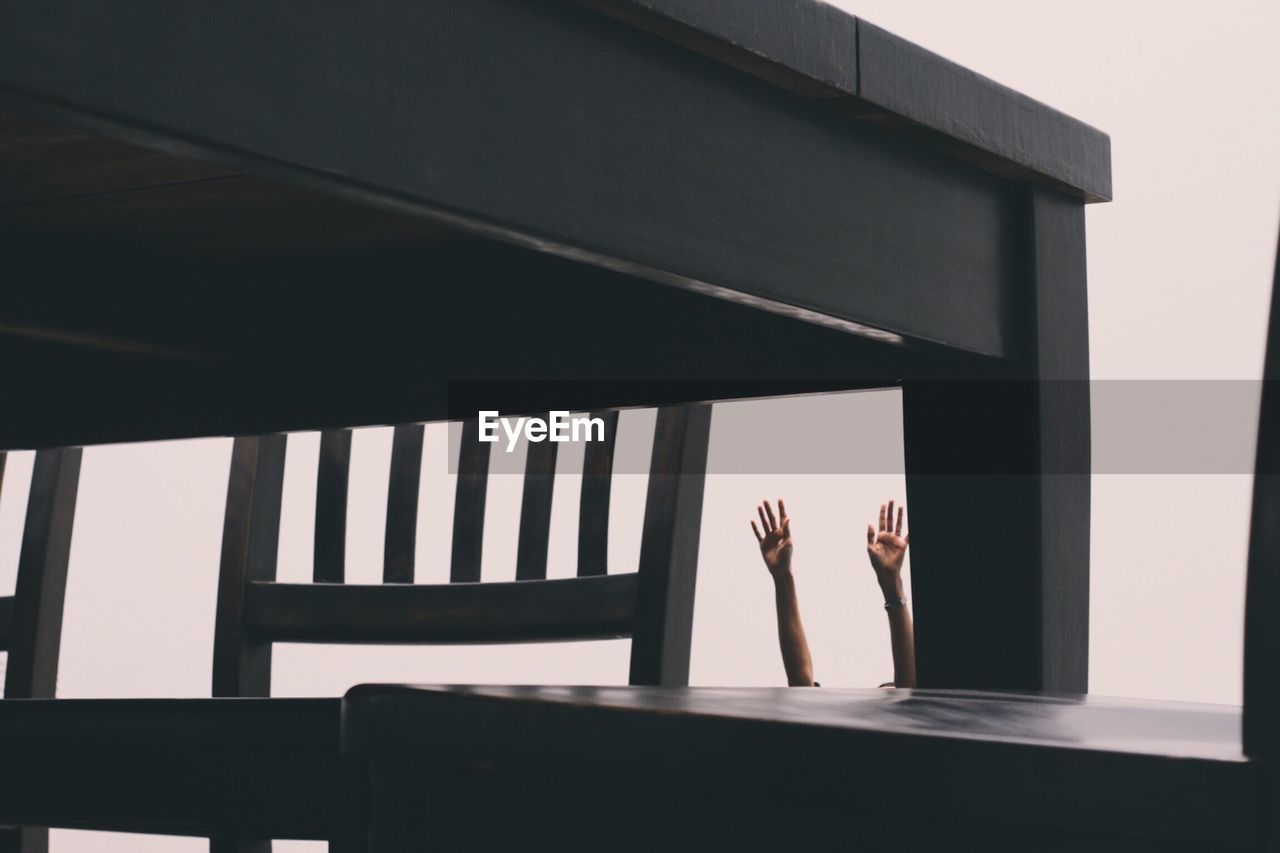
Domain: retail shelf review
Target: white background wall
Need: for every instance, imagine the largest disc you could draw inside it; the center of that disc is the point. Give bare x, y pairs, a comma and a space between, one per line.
1179, 275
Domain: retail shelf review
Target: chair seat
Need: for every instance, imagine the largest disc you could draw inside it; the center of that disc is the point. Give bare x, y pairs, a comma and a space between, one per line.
243, 767
727, 765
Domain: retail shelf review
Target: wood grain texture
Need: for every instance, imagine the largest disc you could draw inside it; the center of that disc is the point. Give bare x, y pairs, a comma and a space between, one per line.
332, 477
718, 768
814, 215
810, 49
497, 612
593, 504
402, 504
978, 119
1061, 353
43, 162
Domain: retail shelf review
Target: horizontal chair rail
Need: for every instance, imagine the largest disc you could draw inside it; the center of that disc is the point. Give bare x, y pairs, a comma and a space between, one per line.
601, 607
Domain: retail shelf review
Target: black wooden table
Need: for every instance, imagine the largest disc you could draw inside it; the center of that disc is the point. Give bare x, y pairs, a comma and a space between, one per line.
246, 217
501, 768
254, 217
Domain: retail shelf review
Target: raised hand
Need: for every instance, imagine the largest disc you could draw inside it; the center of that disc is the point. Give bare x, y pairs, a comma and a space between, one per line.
886, 547
775, 542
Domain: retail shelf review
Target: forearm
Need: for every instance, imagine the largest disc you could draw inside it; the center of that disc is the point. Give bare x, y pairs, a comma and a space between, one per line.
901, 632
791, 639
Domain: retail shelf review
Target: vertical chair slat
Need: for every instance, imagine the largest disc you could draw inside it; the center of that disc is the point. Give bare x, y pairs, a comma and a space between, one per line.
468, 506
669, 547
36, 619
250, 542
593, 513
6, 626
402, 504
332, 477
535, 511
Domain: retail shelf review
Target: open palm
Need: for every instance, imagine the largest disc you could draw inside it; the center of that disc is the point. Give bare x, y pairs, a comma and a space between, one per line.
887, 547
775, 542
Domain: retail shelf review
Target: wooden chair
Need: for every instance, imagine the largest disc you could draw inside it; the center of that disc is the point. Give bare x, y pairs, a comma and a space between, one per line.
690, 769
31, 618
653, 605
241, 768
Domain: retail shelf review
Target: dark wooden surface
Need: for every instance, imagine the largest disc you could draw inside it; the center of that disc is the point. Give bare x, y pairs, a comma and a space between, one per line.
389, 353
652, 604
250, 536
826, 55
31, 618
817, 210
652, 601
1013, 456
495, 612
242, 771
470, 492
175, 766
597, 487
712, 768
810, 237
6, 620
1061, 428
535, 511
668, 571
33, 633
332, 477
401, 538
977, 119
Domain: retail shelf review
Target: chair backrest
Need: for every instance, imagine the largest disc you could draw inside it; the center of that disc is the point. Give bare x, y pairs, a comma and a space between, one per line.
31, 618
1262, 600
653, 604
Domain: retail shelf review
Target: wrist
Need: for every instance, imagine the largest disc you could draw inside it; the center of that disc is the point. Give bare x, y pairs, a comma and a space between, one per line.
891, 586
782, 576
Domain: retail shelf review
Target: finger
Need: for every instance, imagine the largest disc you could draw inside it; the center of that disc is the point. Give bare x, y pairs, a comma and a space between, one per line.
786, 527
882, 516
898, 529
906, 540
756, 531
782, 511
763, 521
773, 522
871, 536
889, 518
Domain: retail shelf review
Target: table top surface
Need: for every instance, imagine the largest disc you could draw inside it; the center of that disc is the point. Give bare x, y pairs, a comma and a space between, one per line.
1106, 724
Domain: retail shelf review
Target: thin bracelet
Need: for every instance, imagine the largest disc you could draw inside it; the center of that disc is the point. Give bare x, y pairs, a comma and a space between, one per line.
896, 602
